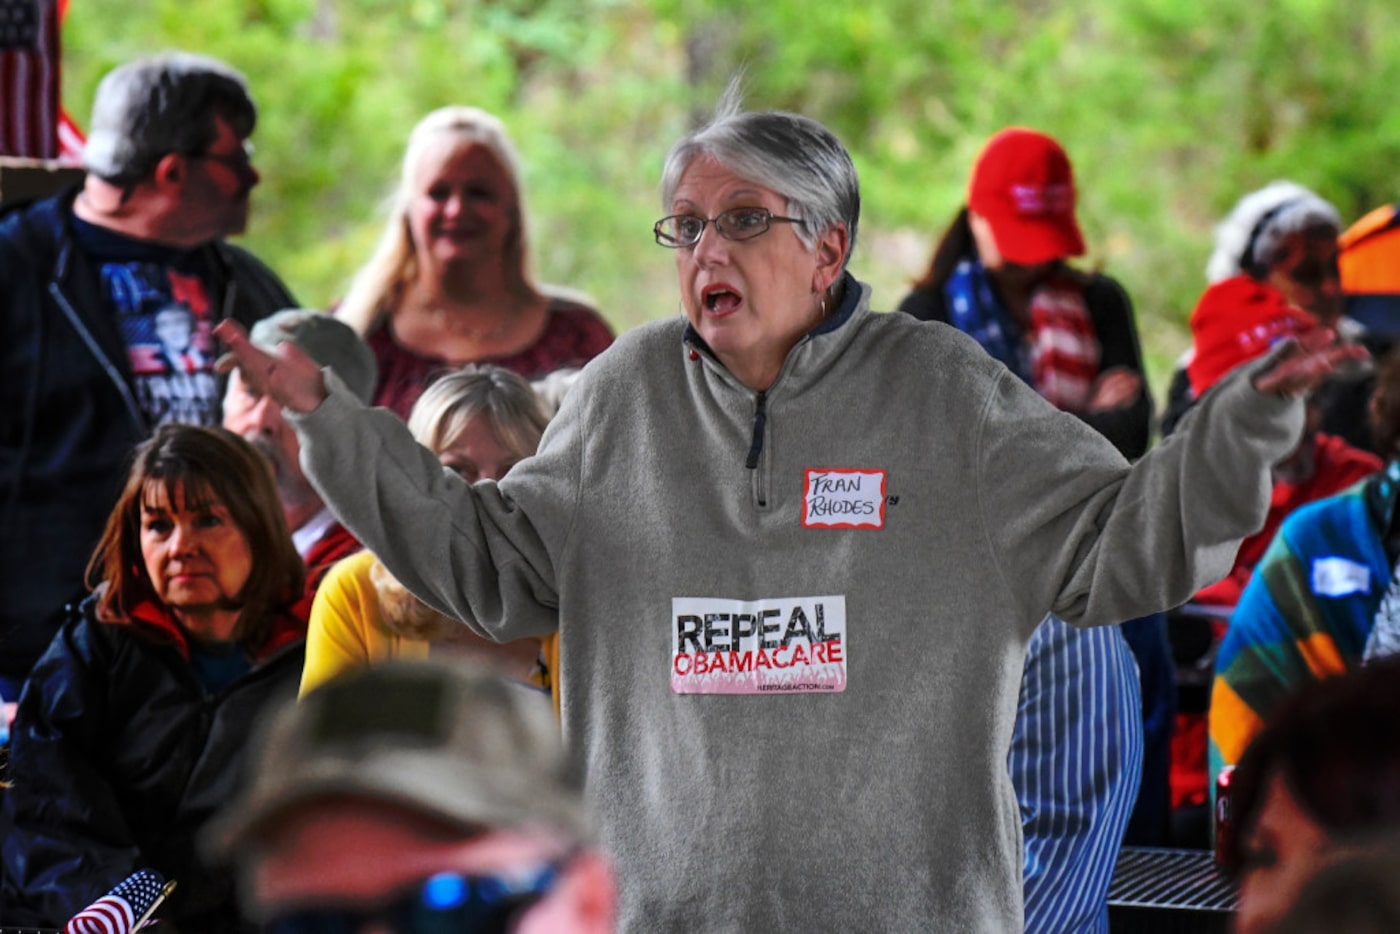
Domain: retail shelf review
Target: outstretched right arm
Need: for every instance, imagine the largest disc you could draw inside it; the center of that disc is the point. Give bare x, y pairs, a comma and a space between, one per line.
469, 551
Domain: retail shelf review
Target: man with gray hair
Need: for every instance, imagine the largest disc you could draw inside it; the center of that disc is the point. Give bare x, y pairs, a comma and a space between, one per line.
319, 538
89, 281
415, 797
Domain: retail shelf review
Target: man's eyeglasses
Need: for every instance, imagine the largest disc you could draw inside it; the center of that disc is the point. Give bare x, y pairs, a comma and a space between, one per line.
239, 161
447, 903
682, 230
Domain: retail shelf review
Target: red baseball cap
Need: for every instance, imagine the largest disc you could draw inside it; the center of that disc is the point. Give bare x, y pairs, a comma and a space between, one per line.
1024, 186
1236, 320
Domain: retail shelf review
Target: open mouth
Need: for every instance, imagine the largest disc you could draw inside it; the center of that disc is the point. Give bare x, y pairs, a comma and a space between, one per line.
720, 299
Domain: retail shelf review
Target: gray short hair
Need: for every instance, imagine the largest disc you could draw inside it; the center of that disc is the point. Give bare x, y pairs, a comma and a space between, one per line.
165, 104
1250, 239
788, 153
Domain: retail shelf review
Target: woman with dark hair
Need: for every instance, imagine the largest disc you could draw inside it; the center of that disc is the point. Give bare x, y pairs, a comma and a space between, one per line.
1319, 782
131, 728
999, 275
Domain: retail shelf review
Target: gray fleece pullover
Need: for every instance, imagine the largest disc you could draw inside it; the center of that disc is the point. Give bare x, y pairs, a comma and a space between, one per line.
792, 685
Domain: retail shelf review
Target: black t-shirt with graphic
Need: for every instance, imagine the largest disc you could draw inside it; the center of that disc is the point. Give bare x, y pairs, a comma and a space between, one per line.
162, 300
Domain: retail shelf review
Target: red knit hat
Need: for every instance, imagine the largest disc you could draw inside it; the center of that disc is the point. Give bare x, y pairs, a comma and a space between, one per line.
1236, 320
1024, 186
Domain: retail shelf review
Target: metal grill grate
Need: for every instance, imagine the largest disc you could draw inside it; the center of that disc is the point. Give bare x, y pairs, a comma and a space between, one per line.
1172, 879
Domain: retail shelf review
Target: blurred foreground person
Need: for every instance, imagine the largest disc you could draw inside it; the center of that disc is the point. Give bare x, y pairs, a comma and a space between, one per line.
729, 502
108, 293
132, 729
1357, 893
416, 797
1320, 782
449, 283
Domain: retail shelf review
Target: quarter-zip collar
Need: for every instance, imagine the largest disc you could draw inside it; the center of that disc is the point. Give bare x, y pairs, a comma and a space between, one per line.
805, 363
156, 621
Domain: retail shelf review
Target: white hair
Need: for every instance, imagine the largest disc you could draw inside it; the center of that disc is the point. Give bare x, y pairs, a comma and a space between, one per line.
790, 154
1249, 239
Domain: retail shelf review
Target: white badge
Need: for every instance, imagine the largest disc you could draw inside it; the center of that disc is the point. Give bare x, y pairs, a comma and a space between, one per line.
843, 499
1337, 577
782, 645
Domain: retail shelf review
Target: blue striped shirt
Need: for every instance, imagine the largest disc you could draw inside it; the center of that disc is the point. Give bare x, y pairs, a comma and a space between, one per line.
1076, 760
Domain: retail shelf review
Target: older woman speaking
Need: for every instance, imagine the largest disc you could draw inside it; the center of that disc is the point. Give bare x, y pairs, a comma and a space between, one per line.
795, 551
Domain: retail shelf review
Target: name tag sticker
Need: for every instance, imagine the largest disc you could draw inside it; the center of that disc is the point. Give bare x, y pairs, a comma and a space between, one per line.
787, 645
1337, 577
843, 499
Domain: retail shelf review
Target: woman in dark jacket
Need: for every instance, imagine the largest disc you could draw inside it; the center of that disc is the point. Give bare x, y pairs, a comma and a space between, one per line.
999, 274
131, 728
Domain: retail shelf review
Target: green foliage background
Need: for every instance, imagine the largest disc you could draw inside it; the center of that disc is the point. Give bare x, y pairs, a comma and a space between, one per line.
1169, 110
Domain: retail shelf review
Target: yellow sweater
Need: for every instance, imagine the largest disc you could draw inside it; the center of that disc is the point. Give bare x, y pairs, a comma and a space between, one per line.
347, 631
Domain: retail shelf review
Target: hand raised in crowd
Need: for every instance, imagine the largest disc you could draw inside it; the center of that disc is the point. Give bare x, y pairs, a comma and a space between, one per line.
291, 377
1307, 363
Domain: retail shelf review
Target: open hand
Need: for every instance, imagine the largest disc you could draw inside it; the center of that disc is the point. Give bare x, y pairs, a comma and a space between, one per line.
290, 377
1307, 363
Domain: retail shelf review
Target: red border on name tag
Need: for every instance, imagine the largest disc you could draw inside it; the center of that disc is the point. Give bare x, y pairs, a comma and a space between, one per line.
872, 520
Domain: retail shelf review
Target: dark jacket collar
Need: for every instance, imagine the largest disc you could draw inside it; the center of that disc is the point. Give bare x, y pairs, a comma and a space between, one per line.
156, 624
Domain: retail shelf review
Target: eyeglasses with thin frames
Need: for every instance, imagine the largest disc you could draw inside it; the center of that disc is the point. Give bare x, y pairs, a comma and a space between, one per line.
685, 230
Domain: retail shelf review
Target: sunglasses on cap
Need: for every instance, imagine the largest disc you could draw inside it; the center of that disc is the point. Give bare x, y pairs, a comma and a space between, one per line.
445, 903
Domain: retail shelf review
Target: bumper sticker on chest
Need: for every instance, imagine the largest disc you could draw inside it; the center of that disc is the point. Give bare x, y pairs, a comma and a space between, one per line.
843, 499
783, 645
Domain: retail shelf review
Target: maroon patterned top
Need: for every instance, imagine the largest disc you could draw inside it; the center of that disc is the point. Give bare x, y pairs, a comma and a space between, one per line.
574, 335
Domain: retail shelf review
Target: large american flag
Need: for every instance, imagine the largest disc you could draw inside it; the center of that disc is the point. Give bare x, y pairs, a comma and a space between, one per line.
119, 910
32, 121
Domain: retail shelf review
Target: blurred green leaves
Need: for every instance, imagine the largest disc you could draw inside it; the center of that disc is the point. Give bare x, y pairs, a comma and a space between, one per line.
1170, 112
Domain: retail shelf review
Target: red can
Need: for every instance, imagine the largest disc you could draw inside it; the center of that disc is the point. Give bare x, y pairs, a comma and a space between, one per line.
1224, 822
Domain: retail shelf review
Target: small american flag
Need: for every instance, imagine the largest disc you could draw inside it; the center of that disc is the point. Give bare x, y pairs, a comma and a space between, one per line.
120, 910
